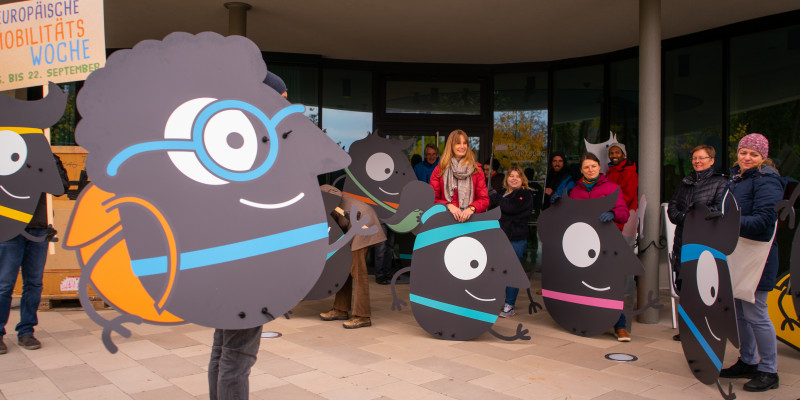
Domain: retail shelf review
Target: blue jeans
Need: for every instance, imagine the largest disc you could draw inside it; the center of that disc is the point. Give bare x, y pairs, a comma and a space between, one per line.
15, 254
384, 254
519, 249
232, 355
757, 334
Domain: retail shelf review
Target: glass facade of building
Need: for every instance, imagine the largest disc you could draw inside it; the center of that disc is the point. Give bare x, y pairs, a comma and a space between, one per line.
716, 87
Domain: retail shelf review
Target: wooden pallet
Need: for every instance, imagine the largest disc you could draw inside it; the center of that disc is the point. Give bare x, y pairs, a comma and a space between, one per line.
54, 303
60, 290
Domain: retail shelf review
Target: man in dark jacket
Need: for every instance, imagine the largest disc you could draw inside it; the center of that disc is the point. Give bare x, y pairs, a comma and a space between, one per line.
558, 181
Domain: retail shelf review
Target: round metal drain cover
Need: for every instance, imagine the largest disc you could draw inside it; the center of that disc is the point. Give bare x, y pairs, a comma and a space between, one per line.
274, 335
621, 357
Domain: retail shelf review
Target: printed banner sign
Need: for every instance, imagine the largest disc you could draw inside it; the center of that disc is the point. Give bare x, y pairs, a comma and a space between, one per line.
50, 40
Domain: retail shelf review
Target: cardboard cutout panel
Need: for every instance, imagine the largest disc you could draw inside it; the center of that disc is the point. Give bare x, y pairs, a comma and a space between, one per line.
379, 172
459, 275
27, 166
784, 300
205, 205
786, 212
584, 265
337, 266
707, 316
783, 314
601, 151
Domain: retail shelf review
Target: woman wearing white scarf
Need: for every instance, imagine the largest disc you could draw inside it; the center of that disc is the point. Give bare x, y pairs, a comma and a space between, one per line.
458, 181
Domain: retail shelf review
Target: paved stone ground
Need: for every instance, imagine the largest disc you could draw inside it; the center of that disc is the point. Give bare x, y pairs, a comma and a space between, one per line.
393, 359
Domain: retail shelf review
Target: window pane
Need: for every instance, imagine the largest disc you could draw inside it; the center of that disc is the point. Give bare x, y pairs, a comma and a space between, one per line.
520, 121
302, 86
459, 98
624, 104
63, 132
692, 106
347, 105
578, 103
765, 94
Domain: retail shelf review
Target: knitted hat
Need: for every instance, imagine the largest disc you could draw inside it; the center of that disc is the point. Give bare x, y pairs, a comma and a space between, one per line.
620, 146
755, 141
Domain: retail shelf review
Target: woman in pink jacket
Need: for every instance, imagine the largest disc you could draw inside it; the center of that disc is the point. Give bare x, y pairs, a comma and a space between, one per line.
594, 185
458, 181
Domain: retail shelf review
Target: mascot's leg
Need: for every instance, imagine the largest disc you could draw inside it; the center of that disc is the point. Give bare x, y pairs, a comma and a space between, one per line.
116, 323
727, 396
522, 334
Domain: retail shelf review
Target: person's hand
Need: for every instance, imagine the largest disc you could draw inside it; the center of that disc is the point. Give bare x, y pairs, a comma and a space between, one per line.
606, 216
713, 215
455, 211
554, 199
548, 191
465, 214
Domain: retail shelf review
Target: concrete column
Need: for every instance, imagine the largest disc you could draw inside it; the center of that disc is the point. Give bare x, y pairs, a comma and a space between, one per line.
650, 146
237, 17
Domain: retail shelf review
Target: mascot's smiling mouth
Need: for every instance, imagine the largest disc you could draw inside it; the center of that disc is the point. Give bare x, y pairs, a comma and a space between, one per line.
478, 298
286, 203
594, 288
710, 331
11, 195
390, 194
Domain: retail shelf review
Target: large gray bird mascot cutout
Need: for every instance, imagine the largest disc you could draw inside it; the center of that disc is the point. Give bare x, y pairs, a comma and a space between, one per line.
205, 205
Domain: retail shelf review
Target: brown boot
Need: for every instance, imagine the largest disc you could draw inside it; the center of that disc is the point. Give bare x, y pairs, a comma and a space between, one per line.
333, 315
357, 322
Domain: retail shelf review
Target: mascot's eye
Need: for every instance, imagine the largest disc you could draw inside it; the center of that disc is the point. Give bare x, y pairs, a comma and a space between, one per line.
231, 140
380, 166
581, 244
465, 258
13, 152
707, 278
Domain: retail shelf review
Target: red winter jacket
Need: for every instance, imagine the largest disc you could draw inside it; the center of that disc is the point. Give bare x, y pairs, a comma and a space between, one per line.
479, 192
624, 174
603, 188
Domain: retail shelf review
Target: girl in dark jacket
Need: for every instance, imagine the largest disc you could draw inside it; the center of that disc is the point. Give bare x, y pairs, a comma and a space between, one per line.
703, 186
757, 187
516, 207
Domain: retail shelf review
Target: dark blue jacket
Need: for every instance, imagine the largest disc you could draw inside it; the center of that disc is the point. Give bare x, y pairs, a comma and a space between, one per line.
424, 170
756, 193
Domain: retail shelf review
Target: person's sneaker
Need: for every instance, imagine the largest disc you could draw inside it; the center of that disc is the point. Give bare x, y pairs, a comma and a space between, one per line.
28, 342
762, 382
677, 337
357, 322
508, 311
740, 370
333, 315
622, 335
383, 280
3, 348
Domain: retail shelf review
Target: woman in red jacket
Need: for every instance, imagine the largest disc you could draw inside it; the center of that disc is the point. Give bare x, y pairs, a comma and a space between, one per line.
458, 181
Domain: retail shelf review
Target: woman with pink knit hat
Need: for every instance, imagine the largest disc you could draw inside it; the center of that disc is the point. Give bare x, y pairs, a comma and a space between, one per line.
757, 187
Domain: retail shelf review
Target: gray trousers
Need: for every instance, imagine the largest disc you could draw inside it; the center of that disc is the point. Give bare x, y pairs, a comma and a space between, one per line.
233, 353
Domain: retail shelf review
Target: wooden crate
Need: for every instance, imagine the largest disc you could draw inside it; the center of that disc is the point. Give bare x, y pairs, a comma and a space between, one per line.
60, 289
